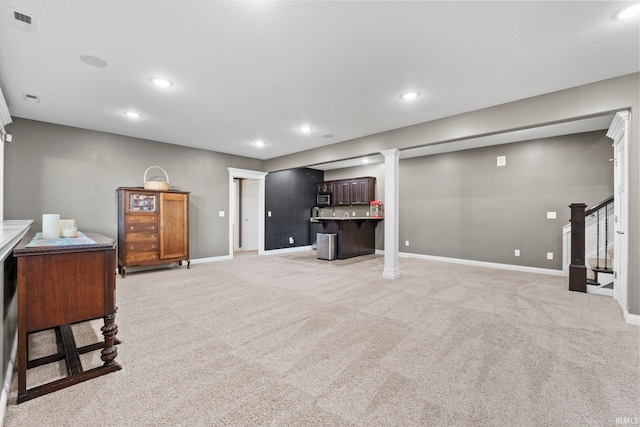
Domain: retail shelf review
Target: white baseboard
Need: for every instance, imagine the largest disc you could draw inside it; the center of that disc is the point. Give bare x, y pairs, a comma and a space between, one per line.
632, 319
287, 250
269, 252
6, 388
522, 268
211, 259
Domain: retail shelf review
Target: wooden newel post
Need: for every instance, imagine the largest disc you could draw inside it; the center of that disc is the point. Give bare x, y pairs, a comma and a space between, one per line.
577, 268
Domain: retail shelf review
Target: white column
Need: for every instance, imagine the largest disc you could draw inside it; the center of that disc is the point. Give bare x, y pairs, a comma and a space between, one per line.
391, 220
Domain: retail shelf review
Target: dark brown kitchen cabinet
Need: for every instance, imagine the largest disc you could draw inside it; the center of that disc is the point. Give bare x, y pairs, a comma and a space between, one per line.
341, 195
362, 190
153, 227
325, 187
346, 192
354, 237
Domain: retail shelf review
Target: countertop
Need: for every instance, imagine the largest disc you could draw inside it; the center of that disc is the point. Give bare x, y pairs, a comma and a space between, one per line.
11, 232
345, 218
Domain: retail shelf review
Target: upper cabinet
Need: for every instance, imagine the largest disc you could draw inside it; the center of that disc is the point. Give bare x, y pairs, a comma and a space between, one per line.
325, 187
355, 191
341, 194
362, 190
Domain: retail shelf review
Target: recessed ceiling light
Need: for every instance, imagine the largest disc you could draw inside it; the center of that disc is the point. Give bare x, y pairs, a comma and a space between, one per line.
629, 12
409, 96
94, 61
259, 143
132, 114
159, 81
305, 128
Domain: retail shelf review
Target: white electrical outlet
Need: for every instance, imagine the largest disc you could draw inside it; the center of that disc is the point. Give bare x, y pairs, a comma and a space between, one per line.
353, 214
501, 161
549, 255
221, 214
291, 240
406, 243
516, 252
551, 215
269, 213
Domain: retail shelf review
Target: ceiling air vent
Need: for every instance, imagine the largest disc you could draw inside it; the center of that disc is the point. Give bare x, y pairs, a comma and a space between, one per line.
31, 98
22, 20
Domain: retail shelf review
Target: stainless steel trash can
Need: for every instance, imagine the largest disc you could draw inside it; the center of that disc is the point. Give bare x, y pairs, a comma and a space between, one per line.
326, 246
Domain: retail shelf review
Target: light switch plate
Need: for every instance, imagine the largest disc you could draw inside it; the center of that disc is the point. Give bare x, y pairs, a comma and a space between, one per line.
221, 214
516, 252
549, 255
551, 215
501, 161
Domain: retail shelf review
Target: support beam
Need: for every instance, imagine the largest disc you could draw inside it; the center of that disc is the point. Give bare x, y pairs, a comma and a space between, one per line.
391, 219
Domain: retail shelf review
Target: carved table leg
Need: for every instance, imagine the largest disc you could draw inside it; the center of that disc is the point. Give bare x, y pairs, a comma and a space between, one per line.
109, 330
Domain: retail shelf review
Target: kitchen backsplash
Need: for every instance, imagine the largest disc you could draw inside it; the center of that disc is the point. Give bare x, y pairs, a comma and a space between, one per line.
343, 211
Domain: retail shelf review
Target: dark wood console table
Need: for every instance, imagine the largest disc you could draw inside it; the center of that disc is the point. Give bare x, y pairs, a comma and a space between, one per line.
60, 283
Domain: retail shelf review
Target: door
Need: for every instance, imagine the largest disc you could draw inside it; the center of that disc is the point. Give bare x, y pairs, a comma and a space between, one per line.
174, 231
249, 214
619, 225
237, 224
619, 132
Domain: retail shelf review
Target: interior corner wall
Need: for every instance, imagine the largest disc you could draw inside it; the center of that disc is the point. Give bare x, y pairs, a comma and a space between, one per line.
462, 205
52, 168
290, 196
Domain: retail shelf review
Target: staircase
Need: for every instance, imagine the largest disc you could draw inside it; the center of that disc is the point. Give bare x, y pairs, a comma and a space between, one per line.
600, 275
591, 239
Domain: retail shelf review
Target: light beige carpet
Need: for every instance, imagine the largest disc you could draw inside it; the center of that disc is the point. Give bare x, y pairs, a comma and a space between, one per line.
289, 340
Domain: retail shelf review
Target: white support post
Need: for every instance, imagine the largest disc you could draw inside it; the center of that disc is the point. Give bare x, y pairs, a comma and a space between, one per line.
391, 220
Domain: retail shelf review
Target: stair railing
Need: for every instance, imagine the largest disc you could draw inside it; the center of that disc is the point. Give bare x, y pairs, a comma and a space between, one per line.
578, 267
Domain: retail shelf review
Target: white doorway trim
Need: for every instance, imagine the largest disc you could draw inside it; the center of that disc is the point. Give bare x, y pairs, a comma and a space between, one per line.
246, 174
618, 131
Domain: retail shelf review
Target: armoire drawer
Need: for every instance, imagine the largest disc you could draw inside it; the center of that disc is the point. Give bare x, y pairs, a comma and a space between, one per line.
141, 246
141, 237
137, 218
141, 256
143, 227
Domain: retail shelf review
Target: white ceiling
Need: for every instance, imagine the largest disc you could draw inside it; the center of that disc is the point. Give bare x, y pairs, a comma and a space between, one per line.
247, 70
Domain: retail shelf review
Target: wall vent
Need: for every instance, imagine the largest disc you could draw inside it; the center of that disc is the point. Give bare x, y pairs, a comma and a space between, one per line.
22, 17
31, 98
22, 20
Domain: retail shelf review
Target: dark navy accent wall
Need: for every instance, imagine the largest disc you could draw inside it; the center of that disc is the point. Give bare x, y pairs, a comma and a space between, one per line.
290, 196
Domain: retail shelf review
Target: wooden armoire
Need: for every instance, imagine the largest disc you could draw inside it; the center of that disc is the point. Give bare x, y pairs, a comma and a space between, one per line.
153, 227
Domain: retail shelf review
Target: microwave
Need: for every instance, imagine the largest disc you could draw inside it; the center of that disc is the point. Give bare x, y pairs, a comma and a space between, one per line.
323, 199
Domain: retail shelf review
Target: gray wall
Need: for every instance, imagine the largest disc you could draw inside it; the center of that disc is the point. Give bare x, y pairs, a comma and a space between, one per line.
620, 93
75, 172
461, 205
